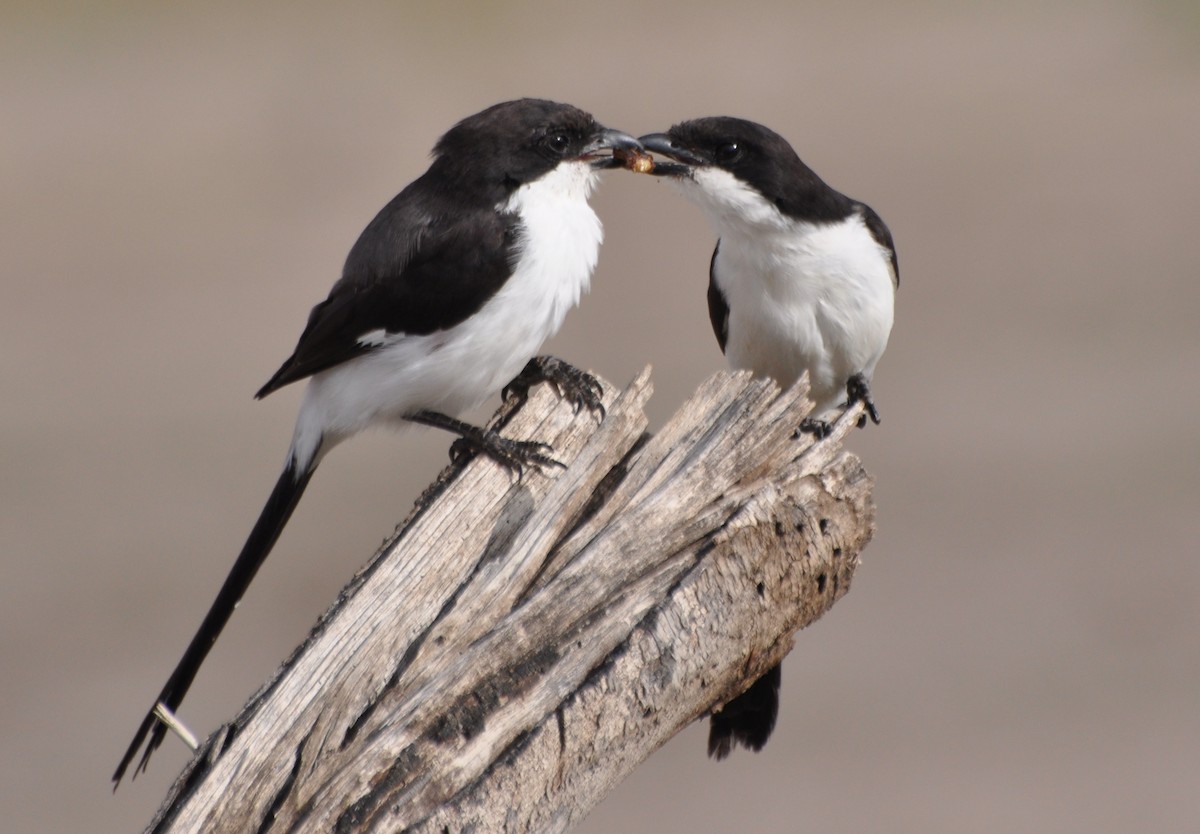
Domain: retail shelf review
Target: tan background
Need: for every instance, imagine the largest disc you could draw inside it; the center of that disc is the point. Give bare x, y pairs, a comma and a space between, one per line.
1021, 651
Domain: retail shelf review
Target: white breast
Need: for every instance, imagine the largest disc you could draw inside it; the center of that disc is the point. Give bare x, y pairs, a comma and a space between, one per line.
802, 296
456, 369
816, 298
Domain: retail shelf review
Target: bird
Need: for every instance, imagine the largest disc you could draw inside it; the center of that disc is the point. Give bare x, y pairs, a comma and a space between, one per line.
802, 280
446, 296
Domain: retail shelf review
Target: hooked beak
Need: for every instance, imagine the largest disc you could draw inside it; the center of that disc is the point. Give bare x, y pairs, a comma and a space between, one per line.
662, 143
608, 139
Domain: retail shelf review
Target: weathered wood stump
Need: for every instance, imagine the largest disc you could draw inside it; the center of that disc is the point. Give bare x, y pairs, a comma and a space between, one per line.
520, 645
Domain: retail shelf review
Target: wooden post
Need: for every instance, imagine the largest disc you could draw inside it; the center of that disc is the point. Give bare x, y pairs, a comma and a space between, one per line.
520, 645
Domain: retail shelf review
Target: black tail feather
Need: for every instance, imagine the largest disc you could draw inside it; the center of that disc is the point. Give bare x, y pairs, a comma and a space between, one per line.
270, 524
748, 719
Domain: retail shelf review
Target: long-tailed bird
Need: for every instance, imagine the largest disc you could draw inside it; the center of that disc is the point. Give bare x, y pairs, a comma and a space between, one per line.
447, 294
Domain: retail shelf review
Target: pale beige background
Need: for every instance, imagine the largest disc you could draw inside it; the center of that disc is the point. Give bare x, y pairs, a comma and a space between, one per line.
1021, 650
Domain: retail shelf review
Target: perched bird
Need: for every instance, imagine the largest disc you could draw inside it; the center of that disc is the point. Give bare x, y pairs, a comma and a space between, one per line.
446, 296
802, 279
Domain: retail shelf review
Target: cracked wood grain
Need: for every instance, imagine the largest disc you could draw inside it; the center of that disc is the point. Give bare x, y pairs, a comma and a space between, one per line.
519, 646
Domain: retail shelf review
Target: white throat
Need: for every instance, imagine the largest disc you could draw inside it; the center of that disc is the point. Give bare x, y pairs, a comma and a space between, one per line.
558, 246
729, 203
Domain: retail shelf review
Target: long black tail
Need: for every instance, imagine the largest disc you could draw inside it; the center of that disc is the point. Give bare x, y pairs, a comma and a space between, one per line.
262, 538
747, 719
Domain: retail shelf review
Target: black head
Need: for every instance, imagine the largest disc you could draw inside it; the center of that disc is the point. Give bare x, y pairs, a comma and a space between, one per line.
755, 155
513, 143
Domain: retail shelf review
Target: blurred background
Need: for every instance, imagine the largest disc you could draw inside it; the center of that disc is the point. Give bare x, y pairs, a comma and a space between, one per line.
1021, 648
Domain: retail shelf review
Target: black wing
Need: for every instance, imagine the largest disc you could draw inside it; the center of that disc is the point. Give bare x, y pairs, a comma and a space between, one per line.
883, 237
412, 271
718, 307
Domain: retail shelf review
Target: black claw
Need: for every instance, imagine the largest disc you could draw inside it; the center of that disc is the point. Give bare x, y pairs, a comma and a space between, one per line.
461, 450
518, 389
857, 391
579, 388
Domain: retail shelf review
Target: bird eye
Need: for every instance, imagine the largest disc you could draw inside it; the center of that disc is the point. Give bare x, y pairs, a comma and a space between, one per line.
729, 152
556, 143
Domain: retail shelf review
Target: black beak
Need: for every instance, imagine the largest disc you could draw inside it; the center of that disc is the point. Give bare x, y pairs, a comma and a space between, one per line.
662, 143
607, 139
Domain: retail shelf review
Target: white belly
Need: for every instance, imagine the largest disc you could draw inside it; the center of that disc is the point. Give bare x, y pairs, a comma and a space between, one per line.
819, 301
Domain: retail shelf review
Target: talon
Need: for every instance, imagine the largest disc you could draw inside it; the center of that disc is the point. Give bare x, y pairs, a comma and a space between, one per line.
461, 450
518, 389
539, 453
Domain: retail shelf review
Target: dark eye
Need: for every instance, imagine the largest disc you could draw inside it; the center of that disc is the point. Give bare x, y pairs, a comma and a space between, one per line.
556, 143
729, 152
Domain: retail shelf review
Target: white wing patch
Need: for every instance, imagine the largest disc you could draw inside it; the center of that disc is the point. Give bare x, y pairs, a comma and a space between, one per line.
378, 338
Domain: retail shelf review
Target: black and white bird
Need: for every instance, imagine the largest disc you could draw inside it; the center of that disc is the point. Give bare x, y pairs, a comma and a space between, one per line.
446, 296
802, 279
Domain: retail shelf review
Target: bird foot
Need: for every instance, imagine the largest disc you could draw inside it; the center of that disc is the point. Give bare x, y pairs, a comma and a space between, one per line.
579, 388
857, 391
820, 429
513, 455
